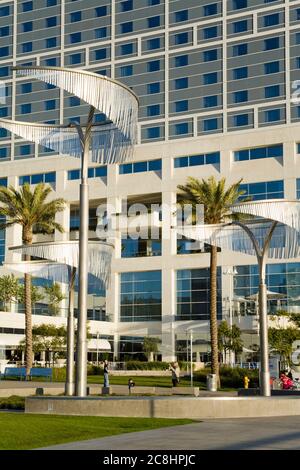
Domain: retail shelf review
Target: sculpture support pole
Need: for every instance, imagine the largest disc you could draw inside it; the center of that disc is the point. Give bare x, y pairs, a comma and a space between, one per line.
265, 389
69, 390
81, 351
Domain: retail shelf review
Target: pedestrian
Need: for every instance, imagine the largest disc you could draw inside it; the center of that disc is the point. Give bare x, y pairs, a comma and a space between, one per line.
130, 385
174, 368
105, 370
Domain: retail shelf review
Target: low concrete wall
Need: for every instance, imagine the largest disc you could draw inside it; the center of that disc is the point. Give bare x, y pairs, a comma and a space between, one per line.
166, 407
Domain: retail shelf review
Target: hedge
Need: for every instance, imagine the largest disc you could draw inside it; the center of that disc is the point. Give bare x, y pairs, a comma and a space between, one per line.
231, 377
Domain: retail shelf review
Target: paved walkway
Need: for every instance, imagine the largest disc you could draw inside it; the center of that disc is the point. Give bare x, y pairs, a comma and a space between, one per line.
228, 434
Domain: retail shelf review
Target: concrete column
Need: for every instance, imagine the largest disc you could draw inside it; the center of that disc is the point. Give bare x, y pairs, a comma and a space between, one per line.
168, 315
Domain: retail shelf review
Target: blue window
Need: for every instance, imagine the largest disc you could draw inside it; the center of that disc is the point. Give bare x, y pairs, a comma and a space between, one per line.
75, 37
153, 22
51, 42
181, 38
126, 49
181, 128
101, 11
74, 101
272, 115
4, 51
182, 15
3, 155
209, 10
26, 47
3, 112
240, 96
210, 101
211, 55
241, 120
50, 22
181, 106
51, 3
209, 78
126, 27
240, 49
100, 54
153, 132
25, 150
272, 67
272, 91
153, 66
101, 33
4, 11
181, 83
255, 153
271, 20
141, 296
153, 110
126, 70
239, 4
75, 58
4, 71
127, 5
153, 43
240, 73
25, 108
272, 43
264, 190
27, 6
240, 26
181, 60
52, 62
210, 124
75, 16
74, 175
153, 88
26, 88
298, 188
211, 32
50, 104
196, 160
27, 27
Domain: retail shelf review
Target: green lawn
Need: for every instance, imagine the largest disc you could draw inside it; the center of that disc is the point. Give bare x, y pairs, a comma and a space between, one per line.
143, 381
19, 431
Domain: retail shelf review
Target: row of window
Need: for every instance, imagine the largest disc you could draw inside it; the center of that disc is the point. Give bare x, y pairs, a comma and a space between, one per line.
95, 172
213, 124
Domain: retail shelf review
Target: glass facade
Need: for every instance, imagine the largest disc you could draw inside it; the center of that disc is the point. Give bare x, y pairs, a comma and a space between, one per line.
141, 296
264, 190
193, 294
3, 182
282, 278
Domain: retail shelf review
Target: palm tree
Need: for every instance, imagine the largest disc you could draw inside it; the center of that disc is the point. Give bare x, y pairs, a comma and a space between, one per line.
29, 208
216, 200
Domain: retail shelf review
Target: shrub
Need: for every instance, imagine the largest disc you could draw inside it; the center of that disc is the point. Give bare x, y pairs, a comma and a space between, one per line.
12, 403
230, 377
59, 374
138, 365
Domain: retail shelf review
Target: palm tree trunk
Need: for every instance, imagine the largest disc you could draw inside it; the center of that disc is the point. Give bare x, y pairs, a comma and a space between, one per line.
28, 324
213, 313
27, 239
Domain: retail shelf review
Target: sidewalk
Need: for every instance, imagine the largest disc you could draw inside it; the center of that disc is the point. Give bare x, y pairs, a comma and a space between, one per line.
227, 434
24, 389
